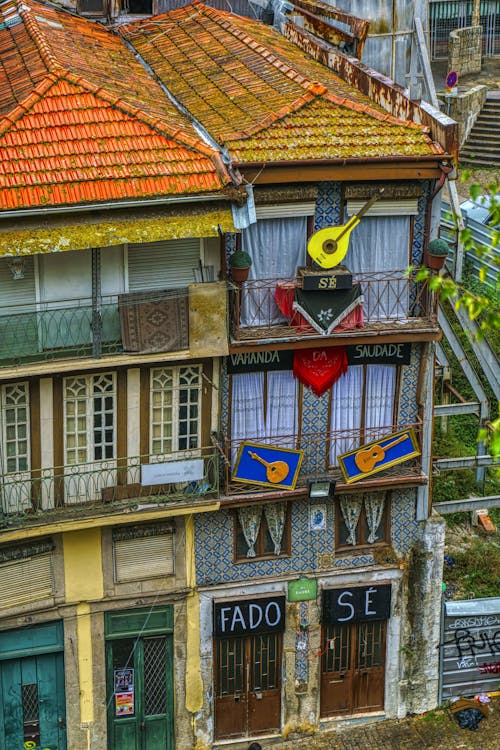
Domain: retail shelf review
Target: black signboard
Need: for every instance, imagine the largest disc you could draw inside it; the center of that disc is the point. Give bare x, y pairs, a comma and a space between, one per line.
325, 280
259, 361
356, 604
379, 354
249, 616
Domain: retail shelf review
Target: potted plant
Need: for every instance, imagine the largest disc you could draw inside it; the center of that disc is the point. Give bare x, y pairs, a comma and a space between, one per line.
239, 265
437, 252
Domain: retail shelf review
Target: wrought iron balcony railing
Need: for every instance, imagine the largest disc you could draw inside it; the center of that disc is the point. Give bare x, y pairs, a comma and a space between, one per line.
62, 491
138, 322
321, 451
267, 308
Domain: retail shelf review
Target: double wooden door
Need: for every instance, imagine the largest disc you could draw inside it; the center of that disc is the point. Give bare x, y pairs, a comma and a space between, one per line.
248, 685
353, 668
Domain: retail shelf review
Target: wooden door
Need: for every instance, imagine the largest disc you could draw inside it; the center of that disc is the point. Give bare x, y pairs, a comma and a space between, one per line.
248, 685
141, 711
353, 668
33, 702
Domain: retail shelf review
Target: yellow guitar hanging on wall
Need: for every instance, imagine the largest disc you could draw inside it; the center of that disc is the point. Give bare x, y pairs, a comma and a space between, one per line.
328, 246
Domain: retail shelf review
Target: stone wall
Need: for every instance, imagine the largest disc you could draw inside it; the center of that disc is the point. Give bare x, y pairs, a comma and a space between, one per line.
464, 107
464, 50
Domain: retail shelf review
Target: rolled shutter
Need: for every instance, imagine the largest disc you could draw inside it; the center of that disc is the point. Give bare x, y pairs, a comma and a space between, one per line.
402, 207
24, 581
163, 265
147, 557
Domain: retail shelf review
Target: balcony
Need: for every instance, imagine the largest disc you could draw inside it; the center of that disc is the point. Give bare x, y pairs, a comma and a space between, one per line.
321, 451
107, 487
265, 310
126, 324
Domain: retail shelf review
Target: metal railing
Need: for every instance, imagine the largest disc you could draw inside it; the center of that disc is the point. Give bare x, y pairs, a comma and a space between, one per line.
321, 452
67, 490
481, 235
135, 322
263, 308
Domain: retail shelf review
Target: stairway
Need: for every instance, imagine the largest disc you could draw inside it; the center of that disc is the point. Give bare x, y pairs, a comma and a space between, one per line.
482, 147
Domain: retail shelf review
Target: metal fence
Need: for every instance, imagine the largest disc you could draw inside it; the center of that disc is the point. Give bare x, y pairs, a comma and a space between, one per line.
447, 15
482, 237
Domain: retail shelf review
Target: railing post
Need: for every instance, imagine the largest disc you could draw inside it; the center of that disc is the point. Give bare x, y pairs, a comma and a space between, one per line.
96, 303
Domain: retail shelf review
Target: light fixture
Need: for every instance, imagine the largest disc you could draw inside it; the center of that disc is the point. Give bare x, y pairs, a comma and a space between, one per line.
321, 488
16, 267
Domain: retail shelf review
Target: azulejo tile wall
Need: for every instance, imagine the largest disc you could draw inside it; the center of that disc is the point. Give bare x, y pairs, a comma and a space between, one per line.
311, 550
214, 534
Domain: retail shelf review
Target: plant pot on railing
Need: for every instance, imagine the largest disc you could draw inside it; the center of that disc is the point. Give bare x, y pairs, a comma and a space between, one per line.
239, 266
436, 254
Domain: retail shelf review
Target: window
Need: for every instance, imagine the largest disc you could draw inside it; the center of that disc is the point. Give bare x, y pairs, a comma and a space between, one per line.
15, 428
262, 531
264, 406
175, 411
363, 402
143, 552
89, 418
362, 520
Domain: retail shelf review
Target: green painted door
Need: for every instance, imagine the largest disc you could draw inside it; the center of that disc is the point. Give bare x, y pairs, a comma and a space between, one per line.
140, 700
32, 705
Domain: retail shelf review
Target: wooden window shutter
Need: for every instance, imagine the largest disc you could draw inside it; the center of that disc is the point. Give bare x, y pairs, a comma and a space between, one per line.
163, 265
144, 557
91, 7
26, 580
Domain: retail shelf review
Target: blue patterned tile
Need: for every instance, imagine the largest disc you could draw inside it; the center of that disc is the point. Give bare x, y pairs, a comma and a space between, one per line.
407, 405
328, 205
215, 554
405, 530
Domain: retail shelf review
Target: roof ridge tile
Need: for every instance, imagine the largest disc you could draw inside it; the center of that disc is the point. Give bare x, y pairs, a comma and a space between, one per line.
27, 14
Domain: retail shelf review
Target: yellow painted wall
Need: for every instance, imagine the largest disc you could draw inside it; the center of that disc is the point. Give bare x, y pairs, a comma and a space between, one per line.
83, 581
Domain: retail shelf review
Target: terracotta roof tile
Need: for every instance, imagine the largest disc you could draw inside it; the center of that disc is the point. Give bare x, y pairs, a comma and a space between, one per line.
82, 120
240, 78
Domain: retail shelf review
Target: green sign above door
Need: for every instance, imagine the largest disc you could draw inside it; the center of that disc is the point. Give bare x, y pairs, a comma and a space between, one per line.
302, 590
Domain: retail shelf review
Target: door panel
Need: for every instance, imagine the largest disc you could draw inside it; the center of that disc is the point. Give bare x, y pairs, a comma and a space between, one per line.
353, 669
336, 671
231, 698
145, 719
264, 697
33, 702
248, 685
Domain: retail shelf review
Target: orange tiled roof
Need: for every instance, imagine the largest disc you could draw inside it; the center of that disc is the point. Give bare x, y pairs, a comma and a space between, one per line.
81, 120
257, 93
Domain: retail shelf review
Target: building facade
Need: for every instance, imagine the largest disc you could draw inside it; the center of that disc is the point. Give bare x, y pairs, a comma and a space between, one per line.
189, 555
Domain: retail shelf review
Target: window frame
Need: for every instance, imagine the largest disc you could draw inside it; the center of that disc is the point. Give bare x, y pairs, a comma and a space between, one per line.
90, 427
175, 390
286, 544
385, 524
5, 440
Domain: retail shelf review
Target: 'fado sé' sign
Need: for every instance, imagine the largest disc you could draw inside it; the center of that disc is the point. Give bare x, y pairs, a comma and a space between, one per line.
356, 604
249, 616
378, 455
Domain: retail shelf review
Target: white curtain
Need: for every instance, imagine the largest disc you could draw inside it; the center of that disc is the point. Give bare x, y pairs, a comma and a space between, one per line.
374, 509
277, 247
347, 399
282, 412
351, 510
247, 409
275, 518
379, 399
381, 242
249, 519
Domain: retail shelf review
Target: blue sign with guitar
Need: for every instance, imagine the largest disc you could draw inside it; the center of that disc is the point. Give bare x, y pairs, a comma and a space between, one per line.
267, 465
378, 455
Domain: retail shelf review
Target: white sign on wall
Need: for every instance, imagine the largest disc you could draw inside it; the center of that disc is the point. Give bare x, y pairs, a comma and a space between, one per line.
172, 471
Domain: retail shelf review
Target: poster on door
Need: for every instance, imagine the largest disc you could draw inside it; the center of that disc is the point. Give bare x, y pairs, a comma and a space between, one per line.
124, 704
124, 692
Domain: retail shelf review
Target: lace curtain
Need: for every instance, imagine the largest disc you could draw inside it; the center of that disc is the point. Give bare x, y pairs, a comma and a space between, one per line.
277, 247
249, 518
374, 510
345, 413
247, 409
275, 517
351, 509
382, 242
379, 398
